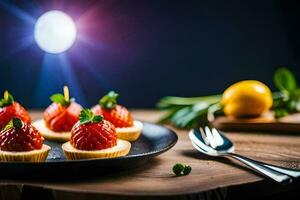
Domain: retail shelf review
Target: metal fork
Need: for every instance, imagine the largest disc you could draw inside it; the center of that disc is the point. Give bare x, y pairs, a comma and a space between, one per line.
212, 142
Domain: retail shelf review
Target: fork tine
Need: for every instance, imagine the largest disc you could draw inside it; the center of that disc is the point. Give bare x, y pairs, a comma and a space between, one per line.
196, 142
210, 137
202, 132
218, 138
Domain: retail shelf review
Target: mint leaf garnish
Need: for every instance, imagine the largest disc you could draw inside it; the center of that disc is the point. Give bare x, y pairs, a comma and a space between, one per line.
17, 123
97, 118
60, 99
14, 123
181, 170
109, 101
187, 169
178, 168
87, 116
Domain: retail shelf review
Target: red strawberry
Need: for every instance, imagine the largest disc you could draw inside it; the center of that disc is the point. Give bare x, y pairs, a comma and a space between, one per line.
10, 109
116, 114
93, 133
60, 118
20, 136
62, 114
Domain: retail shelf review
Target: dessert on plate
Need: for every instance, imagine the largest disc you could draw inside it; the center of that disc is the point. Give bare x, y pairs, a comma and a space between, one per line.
94, 137
20, 141
10, 109
59, 117
126, 127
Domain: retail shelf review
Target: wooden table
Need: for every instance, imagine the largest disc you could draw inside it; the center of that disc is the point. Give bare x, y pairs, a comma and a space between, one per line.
156, 178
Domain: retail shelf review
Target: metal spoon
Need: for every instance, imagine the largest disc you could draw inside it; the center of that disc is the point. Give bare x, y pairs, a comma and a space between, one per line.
213, 143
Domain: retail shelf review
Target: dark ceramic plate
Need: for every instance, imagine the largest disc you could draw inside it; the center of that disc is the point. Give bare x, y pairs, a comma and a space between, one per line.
153, 141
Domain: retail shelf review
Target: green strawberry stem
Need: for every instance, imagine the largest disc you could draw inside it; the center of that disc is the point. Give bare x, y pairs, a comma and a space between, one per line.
7, 100
109, 101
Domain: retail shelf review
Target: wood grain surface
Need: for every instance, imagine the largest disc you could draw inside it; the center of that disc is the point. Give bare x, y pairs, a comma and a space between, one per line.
267, 122
156, 177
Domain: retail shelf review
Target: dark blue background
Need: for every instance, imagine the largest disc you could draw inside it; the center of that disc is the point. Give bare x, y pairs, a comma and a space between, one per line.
151, 48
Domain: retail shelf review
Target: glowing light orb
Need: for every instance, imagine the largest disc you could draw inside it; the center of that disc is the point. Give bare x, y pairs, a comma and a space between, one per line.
55, 32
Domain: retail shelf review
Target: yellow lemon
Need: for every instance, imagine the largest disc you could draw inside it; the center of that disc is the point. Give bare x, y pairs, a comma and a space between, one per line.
246, 98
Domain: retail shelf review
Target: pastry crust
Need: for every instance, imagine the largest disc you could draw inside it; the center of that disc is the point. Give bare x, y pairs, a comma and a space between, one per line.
121, 149
39, 155
49, 134
130, 133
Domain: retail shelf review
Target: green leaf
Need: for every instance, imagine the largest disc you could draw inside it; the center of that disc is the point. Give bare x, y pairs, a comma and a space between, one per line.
293, 105
181, 114
17, 123
285, 80
109, 101
286, 101
178, 168
169, 101
14, 123
7, 100
186, 112
97, 118
168, 114
295, 98
189, 116
87, 116
60, 99
181, 170
281, 112
187, 170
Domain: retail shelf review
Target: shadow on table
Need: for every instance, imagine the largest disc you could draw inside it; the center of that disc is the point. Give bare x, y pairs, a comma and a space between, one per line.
229, 161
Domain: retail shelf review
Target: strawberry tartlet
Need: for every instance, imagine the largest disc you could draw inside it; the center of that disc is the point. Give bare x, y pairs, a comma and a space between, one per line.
94, 137
10, 109
20, 141
119, 116
59, 117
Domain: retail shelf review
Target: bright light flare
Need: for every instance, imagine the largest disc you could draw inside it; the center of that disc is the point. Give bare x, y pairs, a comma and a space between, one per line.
55, 32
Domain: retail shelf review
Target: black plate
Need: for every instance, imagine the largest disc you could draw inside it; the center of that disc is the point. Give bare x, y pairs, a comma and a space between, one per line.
154, 140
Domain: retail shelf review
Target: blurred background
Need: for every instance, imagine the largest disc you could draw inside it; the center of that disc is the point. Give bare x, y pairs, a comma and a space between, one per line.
147, 49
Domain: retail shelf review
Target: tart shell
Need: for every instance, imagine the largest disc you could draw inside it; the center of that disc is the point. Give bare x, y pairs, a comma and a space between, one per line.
39, 155
121, 149
130, 133
49, 134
